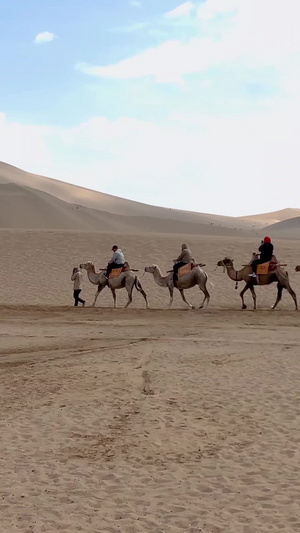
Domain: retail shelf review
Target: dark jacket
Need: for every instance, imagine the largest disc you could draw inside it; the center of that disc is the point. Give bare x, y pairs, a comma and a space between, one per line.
266, 252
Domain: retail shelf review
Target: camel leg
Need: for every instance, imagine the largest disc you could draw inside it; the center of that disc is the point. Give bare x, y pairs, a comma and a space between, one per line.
185, 300
293, 295
141, 290
100, 288
253, 296
284, 282
206, 296
129, 292
113, 291
279, 294
171, 291
247, 286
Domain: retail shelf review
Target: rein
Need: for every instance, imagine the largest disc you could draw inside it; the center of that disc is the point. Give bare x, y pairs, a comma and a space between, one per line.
236, 275
236, 280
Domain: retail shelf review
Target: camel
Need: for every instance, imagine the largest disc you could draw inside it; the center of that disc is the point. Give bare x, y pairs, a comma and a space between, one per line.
280, 275
126, 279
195, 277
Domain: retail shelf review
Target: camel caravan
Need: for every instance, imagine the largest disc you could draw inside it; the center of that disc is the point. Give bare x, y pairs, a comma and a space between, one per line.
263, 269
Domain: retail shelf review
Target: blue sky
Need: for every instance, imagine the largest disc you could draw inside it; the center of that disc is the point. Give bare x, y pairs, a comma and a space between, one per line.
192, 105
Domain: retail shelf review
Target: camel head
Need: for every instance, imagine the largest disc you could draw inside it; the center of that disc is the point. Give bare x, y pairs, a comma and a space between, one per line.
89, 265
226, 262
151, 269
297, 268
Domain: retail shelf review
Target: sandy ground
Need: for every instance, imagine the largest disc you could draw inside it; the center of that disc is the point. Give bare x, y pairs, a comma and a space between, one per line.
137, 421
36, 266
145, 421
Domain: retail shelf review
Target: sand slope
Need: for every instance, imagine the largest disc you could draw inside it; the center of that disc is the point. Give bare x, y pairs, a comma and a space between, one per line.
111, 204
288, 229
36, 202
272, 217
27, 208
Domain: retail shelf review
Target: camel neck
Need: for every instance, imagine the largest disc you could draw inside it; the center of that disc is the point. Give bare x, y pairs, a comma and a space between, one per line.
235, 275
93, 277
160, 280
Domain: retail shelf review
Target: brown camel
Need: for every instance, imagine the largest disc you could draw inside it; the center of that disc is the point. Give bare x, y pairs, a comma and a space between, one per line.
279, 275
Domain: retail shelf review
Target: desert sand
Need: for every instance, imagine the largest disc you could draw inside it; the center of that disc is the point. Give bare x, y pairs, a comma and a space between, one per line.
144, 421
140, 420
133, 420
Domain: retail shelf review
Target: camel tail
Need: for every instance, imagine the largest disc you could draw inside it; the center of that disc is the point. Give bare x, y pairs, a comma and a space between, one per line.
138, 284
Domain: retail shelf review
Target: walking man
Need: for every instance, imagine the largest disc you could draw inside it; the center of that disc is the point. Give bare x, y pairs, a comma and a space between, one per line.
77, 279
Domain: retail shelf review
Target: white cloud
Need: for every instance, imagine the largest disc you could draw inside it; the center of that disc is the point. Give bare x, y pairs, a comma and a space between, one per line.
192, 161
180, 11
252, 38
44, 37
23, 145
209, 9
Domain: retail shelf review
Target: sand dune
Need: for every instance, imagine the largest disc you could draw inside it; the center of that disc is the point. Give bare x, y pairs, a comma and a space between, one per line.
288, 229
36, 202
113, 205
264, 219
27, 208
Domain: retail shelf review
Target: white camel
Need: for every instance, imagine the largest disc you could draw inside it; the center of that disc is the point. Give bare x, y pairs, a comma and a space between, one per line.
126, 280
196, 277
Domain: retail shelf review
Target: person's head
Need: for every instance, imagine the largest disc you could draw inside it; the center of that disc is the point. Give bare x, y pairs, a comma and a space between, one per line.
184, 246
114, 248
267, 239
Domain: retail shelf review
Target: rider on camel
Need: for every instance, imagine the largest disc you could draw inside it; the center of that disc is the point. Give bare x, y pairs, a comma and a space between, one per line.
266, 252
183, 259
117, 260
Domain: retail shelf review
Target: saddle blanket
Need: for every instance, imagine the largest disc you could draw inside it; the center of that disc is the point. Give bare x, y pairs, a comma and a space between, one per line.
184, 270
115, 272
265, 268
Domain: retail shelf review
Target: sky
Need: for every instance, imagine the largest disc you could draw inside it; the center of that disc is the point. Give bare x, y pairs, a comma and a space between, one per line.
191, 105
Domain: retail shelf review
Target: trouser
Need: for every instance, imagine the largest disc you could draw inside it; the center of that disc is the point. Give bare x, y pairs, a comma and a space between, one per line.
257, 262
111, 266
76, 297
176, 267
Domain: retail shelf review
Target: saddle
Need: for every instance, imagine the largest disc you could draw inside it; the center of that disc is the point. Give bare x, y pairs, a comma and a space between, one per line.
265, 268
185, 269
115, 272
